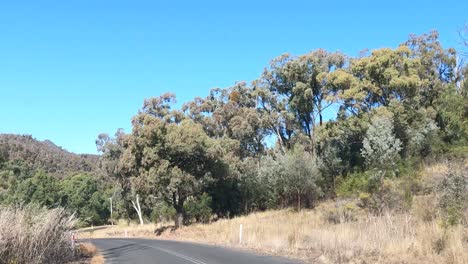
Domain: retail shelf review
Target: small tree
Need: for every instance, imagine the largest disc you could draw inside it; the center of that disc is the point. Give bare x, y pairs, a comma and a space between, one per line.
380, 147
294, 177
381, 152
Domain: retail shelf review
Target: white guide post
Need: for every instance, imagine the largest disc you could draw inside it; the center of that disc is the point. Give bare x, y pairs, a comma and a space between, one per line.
240, 234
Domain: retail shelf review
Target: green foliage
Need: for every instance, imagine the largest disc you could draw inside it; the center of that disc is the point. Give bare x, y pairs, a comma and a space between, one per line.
40, 189
353, 184
452, 116
199, 209
81, 194
380, 147
163, 212
293, 178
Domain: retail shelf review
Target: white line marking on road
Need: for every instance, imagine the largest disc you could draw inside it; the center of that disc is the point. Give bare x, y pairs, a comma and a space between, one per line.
196, 261
179, 255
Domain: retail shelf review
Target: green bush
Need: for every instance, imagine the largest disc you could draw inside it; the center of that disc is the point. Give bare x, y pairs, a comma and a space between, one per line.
353, 184
163, 212
199, 209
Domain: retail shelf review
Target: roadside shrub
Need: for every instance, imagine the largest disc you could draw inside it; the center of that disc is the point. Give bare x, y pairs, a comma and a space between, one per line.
34, 234
389, 197
293, 177
199, 209
453, 196
340, 212
163, 213
353, 184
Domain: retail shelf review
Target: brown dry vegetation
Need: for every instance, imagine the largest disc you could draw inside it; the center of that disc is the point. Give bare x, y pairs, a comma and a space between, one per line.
35, 235
334, 232
90, 254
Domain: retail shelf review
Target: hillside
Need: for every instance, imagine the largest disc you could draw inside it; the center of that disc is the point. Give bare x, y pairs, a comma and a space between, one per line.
44, 155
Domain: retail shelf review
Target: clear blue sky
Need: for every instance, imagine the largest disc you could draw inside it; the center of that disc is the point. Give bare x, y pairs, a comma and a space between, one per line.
70, 70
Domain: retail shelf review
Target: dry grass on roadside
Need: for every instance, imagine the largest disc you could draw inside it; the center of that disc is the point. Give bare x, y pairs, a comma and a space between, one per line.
90, 252
306, 235
87, 250
99, 259
119, 230
32, 234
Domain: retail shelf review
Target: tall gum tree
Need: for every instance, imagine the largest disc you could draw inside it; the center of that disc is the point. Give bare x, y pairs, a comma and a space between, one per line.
174, 156
299, 87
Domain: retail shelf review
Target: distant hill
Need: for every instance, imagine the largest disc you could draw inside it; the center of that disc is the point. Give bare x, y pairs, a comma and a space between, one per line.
44, 155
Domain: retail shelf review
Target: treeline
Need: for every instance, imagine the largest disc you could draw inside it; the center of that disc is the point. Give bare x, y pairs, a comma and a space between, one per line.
310, 127
39, 172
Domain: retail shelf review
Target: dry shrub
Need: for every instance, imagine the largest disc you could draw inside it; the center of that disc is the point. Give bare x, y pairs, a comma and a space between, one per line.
341, 211
87, 250
90, 252
99, 259
35, 235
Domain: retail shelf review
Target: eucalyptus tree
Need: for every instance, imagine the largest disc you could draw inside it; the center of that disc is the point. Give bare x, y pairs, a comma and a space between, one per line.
437, 67
172, 155
296, 91
231, 113
112, 150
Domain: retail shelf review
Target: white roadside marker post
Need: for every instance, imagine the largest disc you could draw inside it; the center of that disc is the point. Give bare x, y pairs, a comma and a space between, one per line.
73, 239
126, 233
240, 234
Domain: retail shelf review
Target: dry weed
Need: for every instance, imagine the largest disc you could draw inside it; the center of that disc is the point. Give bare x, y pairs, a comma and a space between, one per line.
35, 235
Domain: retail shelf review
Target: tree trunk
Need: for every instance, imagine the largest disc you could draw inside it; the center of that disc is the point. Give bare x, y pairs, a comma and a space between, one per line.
298, 201
138, 209
179, 219
180, 215
178, 205
280, 138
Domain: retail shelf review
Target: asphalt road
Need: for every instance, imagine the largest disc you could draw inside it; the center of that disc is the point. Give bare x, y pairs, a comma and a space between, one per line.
171, 252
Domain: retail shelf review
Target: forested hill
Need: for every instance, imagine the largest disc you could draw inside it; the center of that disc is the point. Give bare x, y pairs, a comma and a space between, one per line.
32, 154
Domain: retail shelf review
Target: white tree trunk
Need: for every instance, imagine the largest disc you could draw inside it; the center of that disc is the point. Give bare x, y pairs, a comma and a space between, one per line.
138, 209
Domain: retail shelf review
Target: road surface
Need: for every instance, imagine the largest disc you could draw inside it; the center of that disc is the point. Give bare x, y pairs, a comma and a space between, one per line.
148, 251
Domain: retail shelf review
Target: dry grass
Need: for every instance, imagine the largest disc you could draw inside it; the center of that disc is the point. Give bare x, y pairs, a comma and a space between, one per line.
90, 253
35, 235
121, 229
99, 259
306, 235
87, 250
